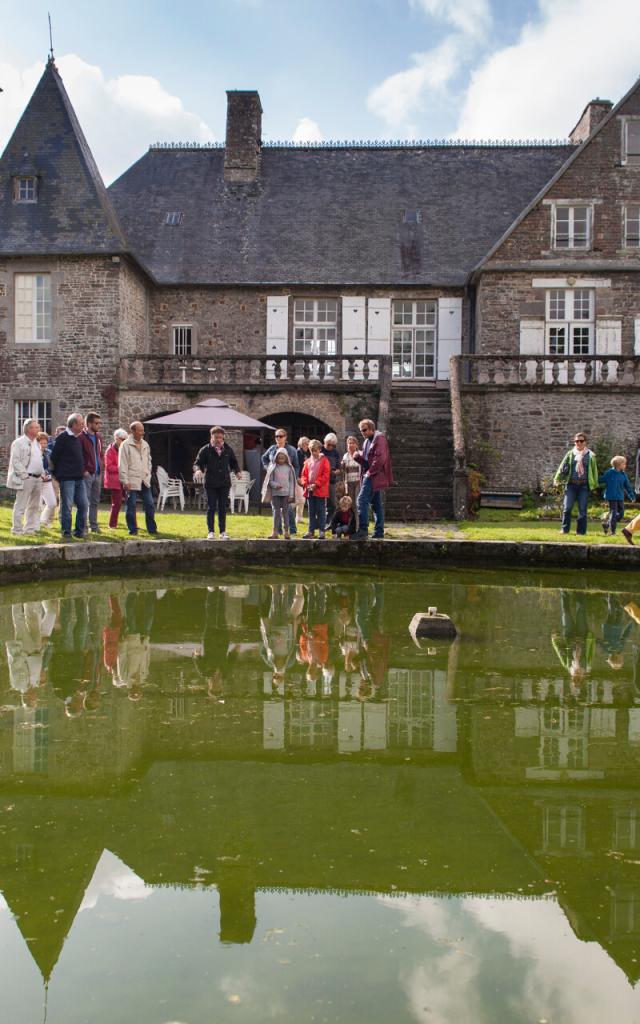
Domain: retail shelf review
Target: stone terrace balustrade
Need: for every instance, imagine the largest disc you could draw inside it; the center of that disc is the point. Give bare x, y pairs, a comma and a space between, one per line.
549, 371
343, 372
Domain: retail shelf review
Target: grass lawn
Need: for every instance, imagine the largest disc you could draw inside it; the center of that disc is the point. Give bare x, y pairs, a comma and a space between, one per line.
494, 524
490, 525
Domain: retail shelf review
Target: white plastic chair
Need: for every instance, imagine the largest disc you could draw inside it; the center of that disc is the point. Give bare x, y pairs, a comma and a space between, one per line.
169, 488
240, 491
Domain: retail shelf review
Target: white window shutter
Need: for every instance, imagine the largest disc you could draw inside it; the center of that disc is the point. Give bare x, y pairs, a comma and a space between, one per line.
277, 325
354, 325
449, 333
379, 327
608, 337
636, 337
531, 337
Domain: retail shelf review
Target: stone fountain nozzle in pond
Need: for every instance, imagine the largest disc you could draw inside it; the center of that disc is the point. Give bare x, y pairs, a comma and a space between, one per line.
432, 625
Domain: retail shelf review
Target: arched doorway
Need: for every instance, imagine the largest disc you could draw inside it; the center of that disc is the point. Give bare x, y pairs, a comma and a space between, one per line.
298, 424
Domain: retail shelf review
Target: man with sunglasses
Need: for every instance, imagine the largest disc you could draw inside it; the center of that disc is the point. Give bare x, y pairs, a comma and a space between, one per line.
376, 476
579, 474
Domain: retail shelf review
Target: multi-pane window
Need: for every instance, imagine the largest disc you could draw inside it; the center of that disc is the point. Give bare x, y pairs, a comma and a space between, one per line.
563, 828
174, 218
315, 327
414, 338
182, 338
25, 190
631, 140
33, 307
572, 227
570, 321
33, 409
632, 226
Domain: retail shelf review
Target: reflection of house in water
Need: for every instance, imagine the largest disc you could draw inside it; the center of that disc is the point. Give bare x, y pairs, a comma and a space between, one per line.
508, 789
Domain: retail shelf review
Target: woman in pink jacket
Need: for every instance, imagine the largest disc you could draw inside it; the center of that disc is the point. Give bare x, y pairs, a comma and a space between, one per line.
111, 477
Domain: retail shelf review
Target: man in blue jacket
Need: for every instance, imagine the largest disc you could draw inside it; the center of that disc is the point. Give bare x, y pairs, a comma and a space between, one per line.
269, 456
67, 460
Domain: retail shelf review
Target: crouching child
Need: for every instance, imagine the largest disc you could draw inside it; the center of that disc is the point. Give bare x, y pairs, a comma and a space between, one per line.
343, 521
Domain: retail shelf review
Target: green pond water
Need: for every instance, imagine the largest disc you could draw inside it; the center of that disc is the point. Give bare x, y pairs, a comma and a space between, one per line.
257, 798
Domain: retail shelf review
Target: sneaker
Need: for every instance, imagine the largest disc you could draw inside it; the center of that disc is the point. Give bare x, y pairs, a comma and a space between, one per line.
96, 529
321, 535
211, 536
287, 536
273, 536
360, 535
628, 536
224, 536
66, 538
308, 536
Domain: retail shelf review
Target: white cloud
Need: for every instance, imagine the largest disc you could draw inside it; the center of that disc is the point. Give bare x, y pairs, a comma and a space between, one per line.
119, 116
478, 942
538, 87
307, 131
402, 97
471, 17
114, 879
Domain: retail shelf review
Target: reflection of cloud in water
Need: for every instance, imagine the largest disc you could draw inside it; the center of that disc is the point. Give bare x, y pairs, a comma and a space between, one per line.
3, 903
522, 951
113, 878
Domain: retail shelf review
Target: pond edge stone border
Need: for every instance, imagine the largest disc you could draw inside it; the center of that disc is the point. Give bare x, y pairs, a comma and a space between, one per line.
93, 558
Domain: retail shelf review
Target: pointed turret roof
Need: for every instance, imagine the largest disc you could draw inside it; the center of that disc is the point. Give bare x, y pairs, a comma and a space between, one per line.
73, 213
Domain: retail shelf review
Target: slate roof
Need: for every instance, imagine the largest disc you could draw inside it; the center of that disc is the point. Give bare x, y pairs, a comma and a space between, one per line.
73, 213
328, 216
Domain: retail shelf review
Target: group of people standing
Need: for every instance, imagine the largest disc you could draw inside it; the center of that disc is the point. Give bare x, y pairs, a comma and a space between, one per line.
315, 471
67, 470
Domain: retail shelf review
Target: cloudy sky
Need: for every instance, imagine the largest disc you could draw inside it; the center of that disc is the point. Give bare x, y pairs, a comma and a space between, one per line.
139, 71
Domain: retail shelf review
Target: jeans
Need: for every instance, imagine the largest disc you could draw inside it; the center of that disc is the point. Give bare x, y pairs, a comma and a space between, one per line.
148, 506
616, 513
341, 531
317, 513
92, 485
217, 499
369, 498
73, 492
280, 508
573, 493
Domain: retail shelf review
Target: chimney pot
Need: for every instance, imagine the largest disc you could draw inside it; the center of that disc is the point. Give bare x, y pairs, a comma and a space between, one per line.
244, 136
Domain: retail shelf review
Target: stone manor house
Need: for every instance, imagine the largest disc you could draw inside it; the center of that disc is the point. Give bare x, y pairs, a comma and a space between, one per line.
480, 301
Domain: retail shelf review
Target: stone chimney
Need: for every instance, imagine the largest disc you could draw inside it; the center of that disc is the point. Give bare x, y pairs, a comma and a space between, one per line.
244, 131
591, 117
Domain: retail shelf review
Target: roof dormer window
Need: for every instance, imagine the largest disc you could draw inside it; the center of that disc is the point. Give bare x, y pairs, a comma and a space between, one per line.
174, 218
25, 189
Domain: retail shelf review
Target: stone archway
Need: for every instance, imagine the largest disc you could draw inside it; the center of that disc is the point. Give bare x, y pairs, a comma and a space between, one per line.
298, 424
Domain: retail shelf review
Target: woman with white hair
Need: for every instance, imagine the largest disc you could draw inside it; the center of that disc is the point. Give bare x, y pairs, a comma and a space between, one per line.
330, 449
112, 478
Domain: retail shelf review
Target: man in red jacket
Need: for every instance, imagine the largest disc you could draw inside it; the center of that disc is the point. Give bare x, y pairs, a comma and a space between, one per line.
376, 476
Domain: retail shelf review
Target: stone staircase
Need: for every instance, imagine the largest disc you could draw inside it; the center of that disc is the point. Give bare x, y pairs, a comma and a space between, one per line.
421, 443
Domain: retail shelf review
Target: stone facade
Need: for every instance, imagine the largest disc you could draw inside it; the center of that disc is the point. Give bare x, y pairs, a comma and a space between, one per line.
519, 438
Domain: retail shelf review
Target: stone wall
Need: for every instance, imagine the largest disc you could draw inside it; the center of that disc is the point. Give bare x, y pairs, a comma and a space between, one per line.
134, 310
78, 368
519, 436
503, 299
233, 321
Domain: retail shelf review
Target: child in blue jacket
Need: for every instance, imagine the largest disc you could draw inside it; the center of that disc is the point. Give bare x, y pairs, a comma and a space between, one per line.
616, 485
